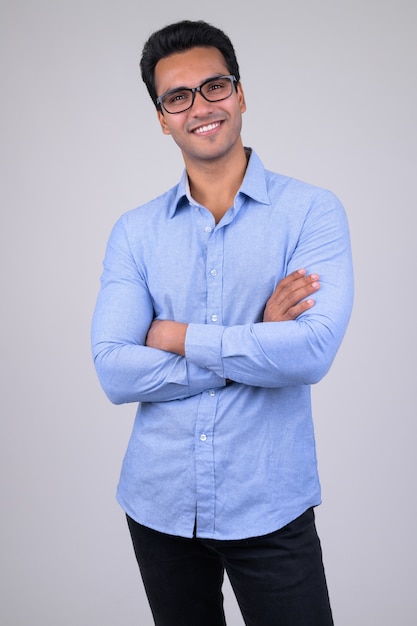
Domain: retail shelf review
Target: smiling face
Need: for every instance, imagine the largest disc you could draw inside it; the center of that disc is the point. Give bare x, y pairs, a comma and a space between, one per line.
208, 130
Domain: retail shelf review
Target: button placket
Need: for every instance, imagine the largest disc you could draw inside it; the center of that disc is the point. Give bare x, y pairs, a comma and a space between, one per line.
204, 461
214, 263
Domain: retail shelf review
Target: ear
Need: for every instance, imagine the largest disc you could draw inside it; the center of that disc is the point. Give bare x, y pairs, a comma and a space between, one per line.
241, 96
163, 123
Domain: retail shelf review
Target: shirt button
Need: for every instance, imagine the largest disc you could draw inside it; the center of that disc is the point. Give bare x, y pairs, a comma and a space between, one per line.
203, 437
212, 392
213, 272
214, 318
208, 229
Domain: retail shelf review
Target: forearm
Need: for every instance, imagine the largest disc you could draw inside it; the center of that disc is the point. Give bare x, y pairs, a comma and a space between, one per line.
273, 354
268, 354
132, 373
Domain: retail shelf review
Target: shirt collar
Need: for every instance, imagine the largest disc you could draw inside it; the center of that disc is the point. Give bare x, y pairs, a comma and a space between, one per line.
253, 185
254, 182
182, 195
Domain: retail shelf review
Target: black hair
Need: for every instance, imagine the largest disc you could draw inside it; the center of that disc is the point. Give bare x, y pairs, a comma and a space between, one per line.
179, 37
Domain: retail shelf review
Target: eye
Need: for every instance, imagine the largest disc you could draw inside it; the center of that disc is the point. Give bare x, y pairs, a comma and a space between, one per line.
177, 97
216, 85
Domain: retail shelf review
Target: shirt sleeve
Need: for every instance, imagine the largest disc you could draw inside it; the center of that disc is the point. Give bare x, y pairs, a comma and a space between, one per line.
128, 370
276, 354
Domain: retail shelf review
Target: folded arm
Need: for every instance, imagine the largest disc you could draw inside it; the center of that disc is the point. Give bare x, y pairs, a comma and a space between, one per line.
289, 300
139, 359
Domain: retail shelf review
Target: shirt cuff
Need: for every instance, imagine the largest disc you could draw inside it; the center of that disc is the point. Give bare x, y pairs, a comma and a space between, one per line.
203, 346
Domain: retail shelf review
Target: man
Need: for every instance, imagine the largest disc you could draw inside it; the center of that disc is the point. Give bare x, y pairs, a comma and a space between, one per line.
206, 318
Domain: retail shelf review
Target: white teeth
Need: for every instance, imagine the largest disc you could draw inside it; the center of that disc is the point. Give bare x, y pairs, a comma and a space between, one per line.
204, 129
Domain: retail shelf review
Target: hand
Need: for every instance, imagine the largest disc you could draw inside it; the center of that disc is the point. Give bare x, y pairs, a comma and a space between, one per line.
289, 298
167, 335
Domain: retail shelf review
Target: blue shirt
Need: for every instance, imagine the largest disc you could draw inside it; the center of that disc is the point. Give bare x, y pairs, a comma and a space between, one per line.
238, 458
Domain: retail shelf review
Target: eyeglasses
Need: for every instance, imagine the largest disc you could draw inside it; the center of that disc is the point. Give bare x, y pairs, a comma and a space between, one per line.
212, 90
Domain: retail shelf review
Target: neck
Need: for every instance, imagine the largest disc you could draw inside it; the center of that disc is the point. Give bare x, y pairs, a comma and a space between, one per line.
214, 184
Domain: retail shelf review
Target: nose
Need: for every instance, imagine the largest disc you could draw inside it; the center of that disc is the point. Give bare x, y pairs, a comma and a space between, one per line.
200, 103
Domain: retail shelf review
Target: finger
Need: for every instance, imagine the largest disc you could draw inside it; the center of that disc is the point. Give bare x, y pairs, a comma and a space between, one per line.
290, 292
300, 308
301, 292
295, 279
294, 276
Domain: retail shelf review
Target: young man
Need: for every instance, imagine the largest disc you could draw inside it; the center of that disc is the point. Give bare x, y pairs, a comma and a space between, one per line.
206, 318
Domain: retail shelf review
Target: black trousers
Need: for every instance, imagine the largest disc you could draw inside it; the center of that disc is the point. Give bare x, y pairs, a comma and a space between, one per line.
278, 579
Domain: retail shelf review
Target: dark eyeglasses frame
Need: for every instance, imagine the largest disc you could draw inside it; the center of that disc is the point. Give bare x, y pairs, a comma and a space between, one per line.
194, 90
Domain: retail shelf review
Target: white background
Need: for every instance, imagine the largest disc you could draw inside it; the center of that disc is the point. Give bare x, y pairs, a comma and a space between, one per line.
331, 95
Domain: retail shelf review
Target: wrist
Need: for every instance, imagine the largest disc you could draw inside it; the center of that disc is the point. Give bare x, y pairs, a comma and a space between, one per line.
173, 337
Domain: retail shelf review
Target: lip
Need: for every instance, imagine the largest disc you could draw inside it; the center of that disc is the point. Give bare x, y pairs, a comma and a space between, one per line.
207, 128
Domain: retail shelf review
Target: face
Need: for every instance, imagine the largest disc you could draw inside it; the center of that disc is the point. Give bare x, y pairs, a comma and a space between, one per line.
208, 130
